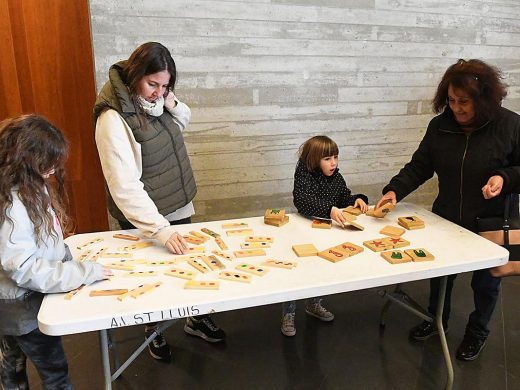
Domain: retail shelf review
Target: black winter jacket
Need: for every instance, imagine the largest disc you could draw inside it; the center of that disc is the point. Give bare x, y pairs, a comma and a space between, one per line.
315, 194
464, 164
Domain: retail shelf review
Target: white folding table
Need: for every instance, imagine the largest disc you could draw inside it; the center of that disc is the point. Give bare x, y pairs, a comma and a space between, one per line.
455, 249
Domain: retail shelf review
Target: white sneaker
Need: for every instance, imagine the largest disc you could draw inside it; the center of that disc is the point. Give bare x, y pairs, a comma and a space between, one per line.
288, 328
318, 311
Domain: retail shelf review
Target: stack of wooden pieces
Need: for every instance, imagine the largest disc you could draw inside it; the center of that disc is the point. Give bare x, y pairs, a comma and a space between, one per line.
275, 217
411, 223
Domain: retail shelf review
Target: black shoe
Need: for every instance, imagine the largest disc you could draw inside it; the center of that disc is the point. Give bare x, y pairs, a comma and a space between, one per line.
470, 348
424, 331
158, 348
205, 328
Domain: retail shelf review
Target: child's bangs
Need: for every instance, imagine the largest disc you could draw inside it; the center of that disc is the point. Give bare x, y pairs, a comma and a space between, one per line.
329, 149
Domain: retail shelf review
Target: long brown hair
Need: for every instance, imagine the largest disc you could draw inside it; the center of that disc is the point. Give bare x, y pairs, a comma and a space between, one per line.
314, 149
31, 146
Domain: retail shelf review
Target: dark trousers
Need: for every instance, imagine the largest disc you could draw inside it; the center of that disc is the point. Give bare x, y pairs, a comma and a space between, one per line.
47, 355
485, 295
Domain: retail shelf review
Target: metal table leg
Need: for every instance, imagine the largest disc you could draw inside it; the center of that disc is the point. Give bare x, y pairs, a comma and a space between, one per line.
103, 342
440, 328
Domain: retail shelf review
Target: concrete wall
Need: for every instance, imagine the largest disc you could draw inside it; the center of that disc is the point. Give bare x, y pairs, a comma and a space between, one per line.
262, 76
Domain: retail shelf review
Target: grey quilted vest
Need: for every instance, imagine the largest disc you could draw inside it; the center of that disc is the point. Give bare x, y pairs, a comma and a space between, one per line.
167, 174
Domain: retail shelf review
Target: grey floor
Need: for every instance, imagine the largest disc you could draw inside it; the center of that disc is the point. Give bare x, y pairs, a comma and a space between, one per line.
348, 353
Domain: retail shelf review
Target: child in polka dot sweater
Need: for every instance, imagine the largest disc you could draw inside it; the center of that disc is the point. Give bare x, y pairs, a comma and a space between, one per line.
319, 191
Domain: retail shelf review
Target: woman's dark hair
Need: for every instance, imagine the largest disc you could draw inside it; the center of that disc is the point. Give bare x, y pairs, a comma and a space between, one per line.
30, 146
479, 80
314, 149
149, 58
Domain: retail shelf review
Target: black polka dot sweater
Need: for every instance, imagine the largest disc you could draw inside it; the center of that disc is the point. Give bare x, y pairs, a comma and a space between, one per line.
315, 194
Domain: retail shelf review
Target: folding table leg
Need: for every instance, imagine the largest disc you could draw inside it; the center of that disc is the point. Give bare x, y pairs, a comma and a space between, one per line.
103, 341
440, 329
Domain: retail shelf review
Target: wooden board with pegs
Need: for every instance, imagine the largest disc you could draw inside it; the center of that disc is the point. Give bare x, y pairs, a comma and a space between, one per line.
199, 235
253, 245
221, 244
141, 273
210, 232
249, 253
223, 255
136, 293
120, 266
106, 293
120, 255
235, 276
181, 273
279, 264
212, 262
126, 237
198, 265
84, 255
234, 225
136, 246
202, 285
252, 269
91, 242
259, 239
193, 240
239, 232
96, 255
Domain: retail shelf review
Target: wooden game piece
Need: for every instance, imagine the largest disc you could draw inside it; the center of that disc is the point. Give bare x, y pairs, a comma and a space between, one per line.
396, 257
160, 263
210, 232
305, 250
259, 239
333, 255
202, 285
381, 211
226, 256
126, 295
249, 253
94, 241
279, 264
116, 254
377, 245
195, 249
193, 240
251, 245
136, 246
322, 223
221, 244
212, 262
239, 232
141, 273
197, 264
130, 261
136, 293
348, 223
276, 214
98, 253
198, 235
276, 222
180, 273
396, 242
352, 210
234, 225
105, 293
419, 254
350, 248
235, 276
252, 269
119, 266
411, 222
84, 255
71, 293
392, 231
126, 237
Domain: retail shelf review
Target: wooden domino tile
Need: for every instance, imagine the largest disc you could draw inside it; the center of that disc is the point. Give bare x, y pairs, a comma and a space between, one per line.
84, 255
305, 250
159, 263
105, 293
130, 261
126, 295
333, 255
92, 242
136, 293
141, 273
136, 246
411, 222
350, 248
276, 214
98, 253
377, 245
212, 262
249, 253
356, 225
180, 273
235, 276
276, 222
71, 293
239, 232
202, 285
381, 211
396, 257
224, 255
235, 225
259, 239
210, 232
321, 224
193, 240
126, 237
251, 245
252, 269
120, 266
195, 249
221, 244
419, 254
197, 264
116, 255
198, 235
396, 242
393, 231
279, 264
352, 210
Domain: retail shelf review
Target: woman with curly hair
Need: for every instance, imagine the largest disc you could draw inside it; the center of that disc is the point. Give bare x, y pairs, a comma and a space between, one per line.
473, 147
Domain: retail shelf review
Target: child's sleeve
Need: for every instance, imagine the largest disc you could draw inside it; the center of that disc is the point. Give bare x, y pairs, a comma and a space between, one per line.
305, 199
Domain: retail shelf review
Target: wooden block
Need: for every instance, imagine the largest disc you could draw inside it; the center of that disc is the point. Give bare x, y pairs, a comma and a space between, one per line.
304, 250
279, 264
98, 253
195, 249
180, 273
212, 262
352, 210
276, 222
348, 216
396, 257
193, 240
250, 245
353, 224
84, 255
259, 239
410, 227
123, 296
235, 276
104, 293
239, 232
198, 265
377, 245
252, 269
136, 246
351, 249
249, 253
70, 294
226, 256
381, 211
221, 244
92, 242
198, 235
130, 261
202, 285
411, 222
321, 224
396, 242
210, 232
234, 225
126, 237
419, 254
160, 263
144, 289
392, 231
275, 214
120, 255
333, 255
141, 273
120, 266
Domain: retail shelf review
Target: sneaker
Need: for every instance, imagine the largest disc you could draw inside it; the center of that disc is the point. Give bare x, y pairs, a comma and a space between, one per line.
158, 347
470, 348
424, 331
288, 328
205, 328
318, 311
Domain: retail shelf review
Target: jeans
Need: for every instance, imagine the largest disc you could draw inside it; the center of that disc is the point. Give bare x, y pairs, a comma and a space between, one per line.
485, 295
290, 306
45, 352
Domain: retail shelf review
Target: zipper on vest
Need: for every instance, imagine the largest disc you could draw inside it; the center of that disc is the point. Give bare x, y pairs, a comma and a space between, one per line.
462, 175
